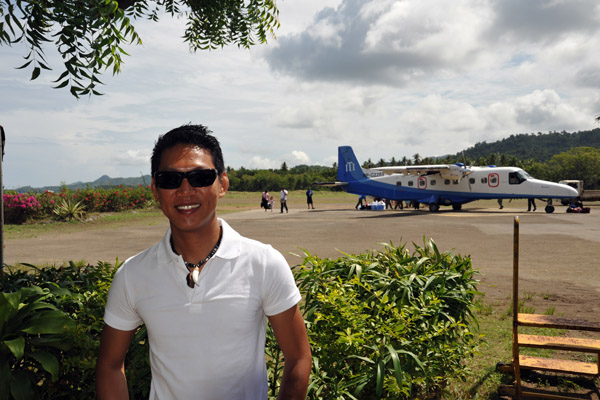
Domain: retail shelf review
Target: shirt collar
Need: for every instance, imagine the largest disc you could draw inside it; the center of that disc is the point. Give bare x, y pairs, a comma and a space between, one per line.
229, 248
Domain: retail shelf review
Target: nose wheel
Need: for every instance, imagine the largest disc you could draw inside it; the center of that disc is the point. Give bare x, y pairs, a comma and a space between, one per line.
434, 207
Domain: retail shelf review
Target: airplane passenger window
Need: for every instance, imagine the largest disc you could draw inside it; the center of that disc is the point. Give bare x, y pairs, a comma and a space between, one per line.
471, 180
447, 182
399, 183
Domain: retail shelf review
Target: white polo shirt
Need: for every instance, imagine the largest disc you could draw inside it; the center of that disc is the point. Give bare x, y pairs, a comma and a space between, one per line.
207, 342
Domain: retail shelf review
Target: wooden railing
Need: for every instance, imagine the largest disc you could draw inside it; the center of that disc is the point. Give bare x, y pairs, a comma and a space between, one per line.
569, 344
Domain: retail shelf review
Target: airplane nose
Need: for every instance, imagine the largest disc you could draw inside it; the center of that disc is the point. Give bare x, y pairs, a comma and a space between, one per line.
571, 191
567, 191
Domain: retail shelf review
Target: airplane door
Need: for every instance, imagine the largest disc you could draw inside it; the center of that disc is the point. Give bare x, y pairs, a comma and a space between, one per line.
422, 182
493, 180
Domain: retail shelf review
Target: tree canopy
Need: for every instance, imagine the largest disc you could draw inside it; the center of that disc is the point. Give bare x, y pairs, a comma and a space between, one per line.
90, 35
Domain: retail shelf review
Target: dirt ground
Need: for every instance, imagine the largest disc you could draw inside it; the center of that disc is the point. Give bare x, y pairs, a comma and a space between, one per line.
559, 253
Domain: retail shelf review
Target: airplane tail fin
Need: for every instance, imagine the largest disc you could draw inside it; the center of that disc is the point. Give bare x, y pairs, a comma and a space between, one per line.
348, 167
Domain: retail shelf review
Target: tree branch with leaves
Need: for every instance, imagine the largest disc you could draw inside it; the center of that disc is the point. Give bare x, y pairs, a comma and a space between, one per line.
90, 35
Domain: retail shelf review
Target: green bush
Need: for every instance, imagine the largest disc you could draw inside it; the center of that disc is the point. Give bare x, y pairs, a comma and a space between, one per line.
75, 292
68, 210
32, 335
381, 325
389, 324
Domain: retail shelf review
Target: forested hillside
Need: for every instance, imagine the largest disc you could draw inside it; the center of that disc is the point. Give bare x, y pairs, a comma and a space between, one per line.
538, 146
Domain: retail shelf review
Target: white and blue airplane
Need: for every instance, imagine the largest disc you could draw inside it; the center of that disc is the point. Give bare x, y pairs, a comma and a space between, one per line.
445, 184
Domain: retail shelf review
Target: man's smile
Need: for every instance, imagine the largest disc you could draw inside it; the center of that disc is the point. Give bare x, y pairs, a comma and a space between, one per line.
187, 207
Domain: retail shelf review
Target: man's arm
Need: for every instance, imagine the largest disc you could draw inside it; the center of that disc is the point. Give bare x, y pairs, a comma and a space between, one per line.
290, 332
110, 367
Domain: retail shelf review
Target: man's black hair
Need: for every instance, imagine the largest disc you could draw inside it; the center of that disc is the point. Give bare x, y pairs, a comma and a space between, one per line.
194, 135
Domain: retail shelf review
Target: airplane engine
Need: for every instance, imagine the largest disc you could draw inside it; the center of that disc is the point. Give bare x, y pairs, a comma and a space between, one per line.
455, 172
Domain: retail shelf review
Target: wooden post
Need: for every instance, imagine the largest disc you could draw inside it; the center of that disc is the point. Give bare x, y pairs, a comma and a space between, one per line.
516, 367
2, 140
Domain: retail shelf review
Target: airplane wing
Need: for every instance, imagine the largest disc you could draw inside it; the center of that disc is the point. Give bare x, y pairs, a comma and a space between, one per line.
330, 184
414, 169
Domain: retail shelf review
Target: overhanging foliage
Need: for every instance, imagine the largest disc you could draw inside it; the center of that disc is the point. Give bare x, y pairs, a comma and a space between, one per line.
90, 35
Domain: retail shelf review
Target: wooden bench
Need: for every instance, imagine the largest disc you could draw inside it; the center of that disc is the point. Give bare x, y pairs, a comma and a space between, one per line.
547, 321
563, 343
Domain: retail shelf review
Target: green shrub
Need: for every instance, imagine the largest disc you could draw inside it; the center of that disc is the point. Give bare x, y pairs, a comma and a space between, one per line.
79, 292
69, 210
32, 336
381, 325
387, 325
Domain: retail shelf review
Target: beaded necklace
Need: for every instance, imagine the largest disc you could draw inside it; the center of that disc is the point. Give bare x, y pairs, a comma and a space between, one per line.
192, 276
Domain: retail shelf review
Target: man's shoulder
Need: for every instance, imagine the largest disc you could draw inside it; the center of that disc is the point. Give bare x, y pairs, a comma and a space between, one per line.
253, 244
255, 248
144, 258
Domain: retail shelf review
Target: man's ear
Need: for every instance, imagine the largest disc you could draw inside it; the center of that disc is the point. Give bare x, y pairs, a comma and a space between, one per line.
223, 184
154, 190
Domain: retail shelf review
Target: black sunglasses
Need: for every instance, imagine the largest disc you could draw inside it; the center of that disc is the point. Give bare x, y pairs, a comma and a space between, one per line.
196, 178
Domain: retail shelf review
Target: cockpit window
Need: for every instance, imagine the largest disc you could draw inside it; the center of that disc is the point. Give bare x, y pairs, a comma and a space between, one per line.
518, 177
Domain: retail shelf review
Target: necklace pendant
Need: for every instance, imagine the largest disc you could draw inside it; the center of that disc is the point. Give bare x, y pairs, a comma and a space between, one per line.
196, 275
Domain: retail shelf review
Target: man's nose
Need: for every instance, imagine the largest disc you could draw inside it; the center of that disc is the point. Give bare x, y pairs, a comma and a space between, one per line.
185, 186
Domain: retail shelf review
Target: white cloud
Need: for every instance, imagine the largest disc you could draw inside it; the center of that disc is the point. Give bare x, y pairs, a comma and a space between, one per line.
327, 33
300, 157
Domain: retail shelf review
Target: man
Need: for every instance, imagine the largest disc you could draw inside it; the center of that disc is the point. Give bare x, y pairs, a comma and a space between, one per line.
265, 200
309, 199
362, 199
203, 292
284, 194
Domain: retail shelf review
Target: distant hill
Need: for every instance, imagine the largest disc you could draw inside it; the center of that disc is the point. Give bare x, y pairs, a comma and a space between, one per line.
540, 146
104, 181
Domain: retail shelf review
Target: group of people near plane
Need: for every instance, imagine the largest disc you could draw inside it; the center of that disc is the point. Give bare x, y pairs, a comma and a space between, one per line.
362, 204
268, 203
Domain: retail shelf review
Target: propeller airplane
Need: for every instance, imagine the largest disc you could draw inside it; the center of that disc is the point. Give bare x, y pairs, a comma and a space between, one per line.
444, 184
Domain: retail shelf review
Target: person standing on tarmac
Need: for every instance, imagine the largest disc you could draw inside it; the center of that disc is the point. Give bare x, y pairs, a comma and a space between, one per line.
284, 194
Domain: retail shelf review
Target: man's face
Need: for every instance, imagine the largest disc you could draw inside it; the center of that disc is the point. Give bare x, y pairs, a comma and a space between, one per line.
188, 208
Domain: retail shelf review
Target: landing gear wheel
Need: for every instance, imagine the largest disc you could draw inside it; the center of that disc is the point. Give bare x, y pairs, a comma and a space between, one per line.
457, 207
549, 209
434, 207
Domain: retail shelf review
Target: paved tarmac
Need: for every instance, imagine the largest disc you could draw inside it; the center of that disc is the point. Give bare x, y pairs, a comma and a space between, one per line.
559, 253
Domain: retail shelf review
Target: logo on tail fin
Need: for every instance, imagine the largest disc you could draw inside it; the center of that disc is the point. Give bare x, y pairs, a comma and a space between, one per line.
348, 166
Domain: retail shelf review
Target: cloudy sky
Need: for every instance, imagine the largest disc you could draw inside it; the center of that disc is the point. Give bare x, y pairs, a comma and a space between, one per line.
390, 78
